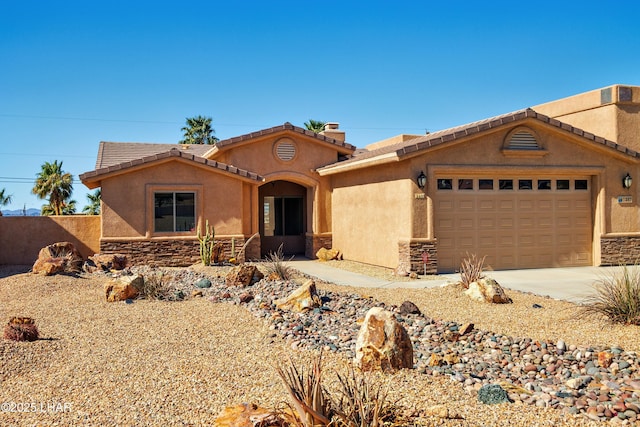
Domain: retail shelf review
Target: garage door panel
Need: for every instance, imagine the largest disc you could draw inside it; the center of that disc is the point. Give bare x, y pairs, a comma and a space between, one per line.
466, 205
487, 242
486, 205
506, 205
487, 223
526, 222
514, 228
545, 204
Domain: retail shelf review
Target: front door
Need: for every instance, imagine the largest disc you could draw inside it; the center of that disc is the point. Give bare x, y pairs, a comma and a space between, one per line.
282, 217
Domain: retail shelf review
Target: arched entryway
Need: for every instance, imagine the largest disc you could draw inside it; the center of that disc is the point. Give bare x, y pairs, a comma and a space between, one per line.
283, 217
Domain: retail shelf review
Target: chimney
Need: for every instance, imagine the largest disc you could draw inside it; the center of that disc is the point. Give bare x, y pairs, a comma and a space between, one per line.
331, 131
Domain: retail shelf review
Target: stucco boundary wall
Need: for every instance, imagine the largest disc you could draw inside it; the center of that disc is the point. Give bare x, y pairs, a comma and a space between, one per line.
620, 249
410, 254
179, 252
313, 243
22, 237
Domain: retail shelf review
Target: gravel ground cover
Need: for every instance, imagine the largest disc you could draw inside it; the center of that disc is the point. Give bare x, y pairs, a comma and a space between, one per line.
181, 363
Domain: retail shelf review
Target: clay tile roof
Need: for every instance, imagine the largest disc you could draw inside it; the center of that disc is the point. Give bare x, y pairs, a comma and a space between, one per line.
113, 153
172, 152
286, 126
447, 135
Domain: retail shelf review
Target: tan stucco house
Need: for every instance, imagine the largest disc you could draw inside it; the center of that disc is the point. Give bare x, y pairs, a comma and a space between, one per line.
548, 186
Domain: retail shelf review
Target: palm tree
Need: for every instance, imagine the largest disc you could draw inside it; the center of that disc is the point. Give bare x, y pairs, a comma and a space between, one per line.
4, 199
315, 126
199, 131
57, 185
93, 208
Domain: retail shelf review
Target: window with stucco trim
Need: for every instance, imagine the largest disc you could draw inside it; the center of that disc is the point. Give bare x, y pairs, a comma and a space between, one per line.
174, 211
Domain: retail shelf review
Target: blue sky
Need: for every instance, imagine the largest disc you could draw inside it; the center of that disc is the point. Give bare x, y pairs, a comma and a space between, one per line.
74, 73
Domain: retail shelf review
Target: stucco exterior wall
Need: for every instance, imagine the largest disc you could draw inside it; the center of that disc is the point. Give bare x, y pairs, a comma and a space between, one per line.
260, 156
612, 113
378, 209
371, 212
23, 237
127, 200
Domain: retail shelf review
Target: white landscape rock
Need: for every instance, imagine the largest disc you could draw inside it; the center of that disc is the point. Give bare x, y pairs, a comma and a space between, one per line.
487, 290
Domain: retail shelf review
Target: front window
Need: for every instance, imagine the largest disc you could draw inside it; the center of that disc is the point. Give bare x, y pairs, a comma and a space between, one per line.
174, 212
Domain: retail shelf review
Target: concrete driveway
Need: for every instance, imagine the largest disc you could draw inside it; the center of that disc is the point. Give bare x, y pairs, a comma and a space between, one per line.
571, 284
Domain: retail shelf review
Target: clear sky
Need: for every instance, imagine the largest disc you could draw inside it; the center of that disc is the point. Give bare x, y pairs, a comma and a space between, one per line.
74, 73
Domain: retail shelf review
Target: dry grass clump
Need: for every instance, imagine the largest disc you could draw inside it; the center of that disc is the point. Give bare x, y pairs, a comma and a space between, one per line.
617, 297
21, 329
157, 286
471, 269
276, 265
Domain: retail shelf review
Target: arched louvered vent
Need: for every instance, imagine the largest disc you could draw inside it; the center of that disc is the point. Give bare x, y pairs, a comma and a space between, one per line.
523, 140
286, 150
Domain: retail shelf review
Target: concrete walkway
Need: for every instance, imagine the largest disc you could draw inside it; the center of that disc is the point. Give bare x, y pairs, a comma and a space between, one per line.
571, 284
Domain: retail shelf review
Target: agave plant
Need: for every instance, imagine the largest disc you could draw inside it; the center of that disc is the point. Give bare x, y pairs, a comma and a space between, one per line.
310, 405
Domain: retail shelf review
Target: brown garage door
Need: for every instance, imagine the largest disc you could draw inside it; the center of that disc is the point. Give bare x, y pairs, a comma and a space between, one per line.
516, 222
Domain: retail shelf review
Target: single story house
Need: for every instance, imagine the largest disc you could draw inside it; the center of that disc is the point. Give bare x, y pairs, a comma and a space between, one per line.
548, 186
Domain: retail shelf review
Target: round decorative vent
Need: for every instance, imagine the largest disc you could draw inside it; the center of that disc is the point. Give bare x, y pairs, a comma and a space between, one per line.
285, 150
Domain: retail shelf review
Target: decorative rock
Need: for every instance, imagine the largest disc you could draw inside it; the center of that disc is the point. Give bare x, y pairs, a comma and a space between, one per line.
408, 307
439, 411
466, 328
21, 329
123, 288
487, 290
105, 262
247, 415
303, 298
578, 383
243, 275
383, 343
203, 283
491, 394
245, 297
61, 257
196, 293
604, 359
325, 254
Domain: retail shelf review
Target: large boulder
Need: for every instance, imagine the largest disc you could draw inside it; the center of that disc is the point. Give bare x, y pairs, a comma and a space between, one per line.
304, 298
383, 344
247, 415
243, 275
487, 290
123, 288
60, 257
325, 254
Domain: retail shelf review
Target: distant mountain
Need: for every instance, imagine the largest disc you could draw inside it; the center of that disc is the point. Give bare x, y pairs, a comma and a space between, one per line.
19, 212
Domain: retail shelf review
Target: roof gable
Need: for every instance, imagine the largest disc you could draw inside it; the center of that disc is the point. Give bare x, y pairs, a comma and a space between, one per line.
225, 144
91, 179
418, 145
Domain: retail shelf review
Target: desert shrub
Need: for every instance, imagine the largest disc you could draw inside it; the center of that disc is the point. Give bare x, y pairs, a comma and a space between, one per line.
21, 329
617, 297
275, 264
157, 286
471, 269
